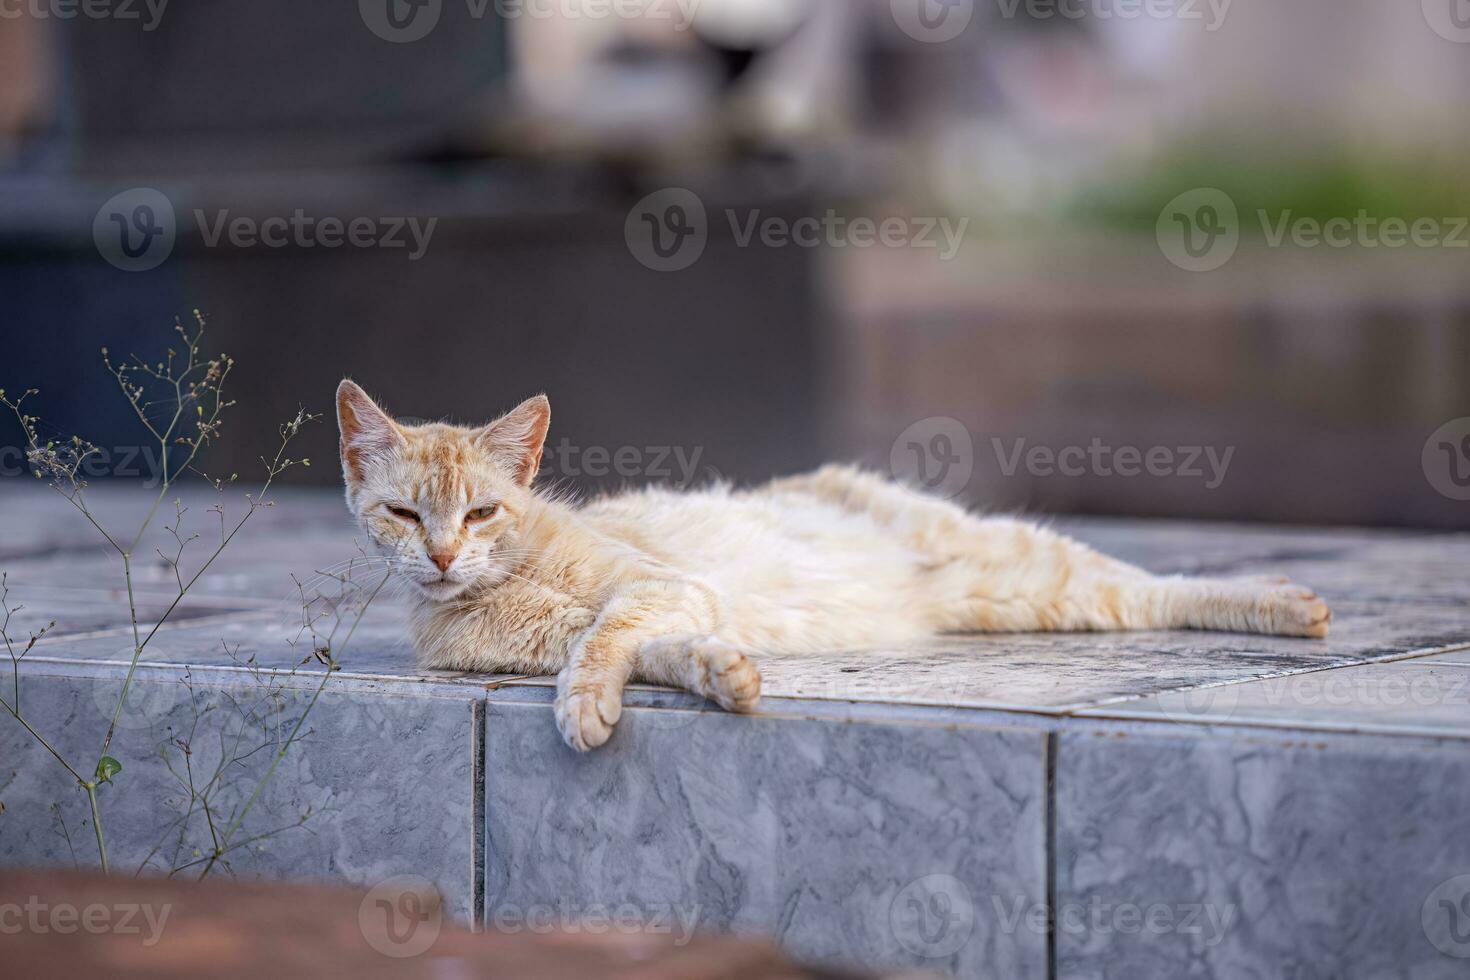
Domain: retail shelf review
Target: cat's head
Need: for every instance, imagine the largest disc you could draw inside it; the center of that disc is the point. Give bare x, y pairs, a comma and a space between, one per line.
443, 501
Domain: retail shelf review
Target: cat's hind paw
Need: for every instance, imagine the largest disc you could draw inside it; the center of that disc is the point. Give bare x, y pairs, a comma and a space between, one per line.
728, 677
586, 715
1294, 610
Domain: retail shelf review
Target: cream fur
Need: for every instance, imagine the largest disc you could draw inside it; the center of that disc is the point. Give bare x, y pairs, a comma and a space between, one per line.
686, 588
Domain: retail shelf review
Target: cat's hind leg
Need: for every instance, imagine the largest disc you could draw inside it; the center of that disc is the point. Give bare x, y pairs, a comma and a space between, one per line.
996, 574
1019, 577
705, 665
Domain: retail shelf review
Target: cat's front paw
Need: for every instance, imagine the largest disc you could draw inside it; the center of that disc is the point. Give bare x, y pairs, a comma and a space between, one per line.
586, 714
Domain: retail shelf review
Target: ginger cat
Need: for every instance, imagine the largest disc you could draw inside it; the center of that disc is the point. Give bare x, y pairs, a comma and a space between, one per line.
684, 589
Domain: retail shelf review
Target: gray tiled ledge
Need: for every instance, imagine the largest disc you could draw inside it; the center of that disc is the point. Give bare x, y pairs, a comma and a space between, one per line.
389, 775
1260, 855
870, 842
895, 806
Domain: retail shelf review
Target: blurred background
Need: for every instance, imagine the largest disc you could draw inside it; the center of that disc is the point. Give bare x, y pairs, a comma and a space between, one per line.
1055, 256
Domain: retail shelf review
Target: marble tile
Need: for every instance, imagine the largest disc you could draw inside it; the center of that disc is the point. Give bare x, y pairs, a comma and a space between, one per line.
75, 611
1063, 673
1033, 672
1400, 593
1460, 657
866, 843
1228, 857
43, 541
1404, 697
381, 784
271, 638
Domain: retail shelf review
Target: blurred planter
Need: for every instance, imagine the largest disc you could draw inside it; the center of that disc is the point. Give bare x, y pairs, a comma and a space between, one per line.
1325, 371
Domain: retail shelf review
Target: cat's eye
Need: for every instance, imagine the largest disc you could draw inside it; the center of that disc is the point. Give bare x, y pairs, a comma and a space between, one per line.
404, 514
481, 514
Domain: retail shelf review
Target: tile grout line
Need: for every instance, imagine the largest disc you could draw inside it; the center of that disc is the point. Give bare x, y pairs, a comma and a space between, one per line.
1049, 748
478, 830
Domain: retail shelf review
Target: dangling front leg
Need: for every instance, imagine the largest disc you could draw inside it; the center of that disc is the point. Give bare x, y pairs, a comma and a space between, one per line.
589, 691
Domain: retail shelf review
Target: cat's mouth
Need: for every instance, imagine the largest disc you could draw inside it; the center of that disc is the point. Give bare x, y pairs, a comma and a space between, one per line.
441, 589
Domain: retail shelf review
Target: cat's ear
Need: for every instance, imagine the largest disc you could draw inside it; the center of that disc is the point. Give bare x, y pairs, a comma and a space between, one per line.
367, 431
517, 439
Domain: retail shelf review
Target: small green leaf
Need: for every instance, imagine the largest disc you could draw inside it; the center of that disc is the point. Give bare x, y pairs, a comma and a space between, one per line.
107, 767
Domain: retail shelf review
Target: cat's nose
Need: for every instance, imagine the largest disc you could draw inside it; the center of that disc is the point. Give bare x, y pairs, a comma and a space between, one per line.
443, 559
